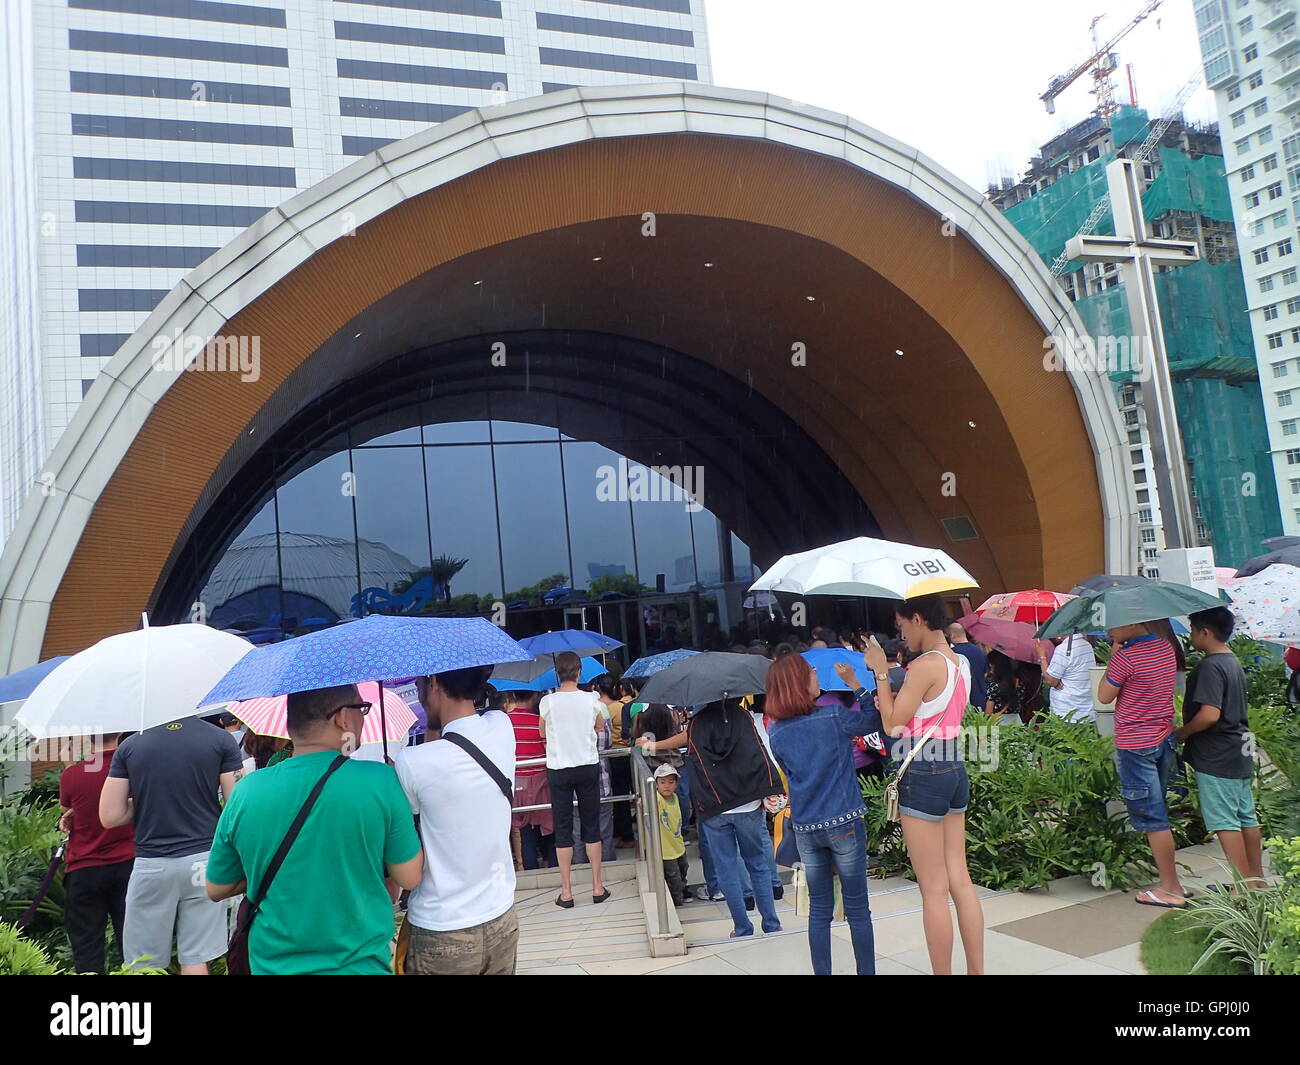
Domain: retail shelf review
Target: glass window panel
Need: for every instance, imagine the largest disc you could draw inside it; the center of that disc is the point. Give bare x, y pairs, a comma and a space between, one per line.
463, 520
600, 527
317, 545
660, 515
461, 418
393, 529
243, 589
508, 432
530, 491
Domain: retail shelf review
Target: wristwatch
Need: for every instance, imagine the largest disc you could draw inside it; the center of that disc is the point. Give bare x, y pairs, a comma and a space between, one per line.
883, 676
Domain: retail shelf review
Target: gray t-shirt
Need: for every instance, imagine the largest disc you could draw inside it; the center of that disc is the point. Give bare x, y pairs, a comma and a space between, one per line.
1221, 750
174, 773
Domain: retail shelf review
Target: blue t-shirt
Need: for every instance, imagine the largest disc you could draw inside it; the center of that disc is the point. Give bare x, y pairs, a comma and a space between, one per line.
815, 752
979, 691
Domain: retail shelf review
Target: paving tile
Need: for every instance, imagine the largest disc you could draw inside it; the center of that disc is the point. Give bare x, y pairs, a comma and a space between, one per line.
644, 966
1086, 928
894, 967
1018, 904
555, 970
1083, 967
1003, 955
1126, 958
710, 965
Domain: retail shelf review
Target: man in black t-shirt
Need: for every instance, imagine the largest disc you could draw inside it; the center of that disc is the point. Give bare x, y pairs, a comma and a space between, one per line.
166, 781
1218, 744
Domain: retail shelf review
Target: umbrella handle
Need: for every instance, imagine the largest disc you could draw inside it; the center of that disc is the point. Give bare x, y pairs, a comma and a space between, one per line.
383, 721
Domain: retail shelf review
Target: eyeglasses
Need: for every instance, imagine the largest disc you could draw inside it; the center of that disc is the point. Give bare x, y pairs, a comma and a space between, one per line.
363, 707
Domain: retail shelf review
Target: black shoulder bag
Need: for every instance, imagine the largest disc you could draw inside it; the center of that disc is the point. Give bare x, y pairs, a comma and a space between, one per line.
237, 951
502, 781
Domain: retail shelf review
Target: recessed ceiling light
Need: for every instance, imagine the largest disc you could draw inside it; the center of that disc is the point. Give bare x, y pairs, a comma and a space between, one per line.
811, 299
971, 424
898, 351
357, 337
597, 258
478, 282
708, 264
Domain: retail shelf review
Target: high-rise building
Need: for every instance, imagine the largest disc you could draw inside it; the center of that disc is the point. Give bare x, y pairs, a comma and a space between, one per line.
1203, 308
1251, 50
145, 134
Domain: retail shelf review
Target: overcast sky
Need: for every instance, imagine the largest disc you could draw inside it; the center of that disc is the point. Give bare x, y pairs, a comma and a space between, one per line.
957, 79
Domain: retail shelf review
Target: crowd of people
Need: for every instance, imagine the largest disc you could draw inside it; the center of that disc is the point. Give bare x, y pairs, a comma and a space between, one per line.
187, 819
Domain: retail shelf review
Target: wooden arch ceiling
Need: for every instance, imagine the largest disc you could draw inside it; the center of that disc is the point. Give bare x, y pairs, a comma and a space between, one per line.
778, 225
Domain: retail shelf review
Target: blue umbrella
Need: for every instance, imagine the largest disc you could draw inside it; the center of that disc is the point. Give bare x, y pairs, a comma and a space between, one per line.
649, 665
823, 660
19, 685
591, 669
579, 641
379, 647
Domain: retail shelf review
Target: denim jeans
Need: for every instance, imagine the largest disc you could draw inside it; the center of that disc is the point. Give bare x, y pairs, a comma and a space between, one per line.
737, 840
842, 850
706, 860
1144, 780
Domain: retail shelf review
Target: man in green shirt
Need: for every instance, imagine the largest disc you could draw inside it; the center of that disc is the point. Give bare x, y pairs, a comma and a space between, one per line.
328, 910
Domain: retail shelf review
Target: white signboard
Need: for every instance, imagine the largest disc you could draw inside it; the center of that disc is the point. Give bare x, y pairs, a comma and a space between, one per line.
1193, 566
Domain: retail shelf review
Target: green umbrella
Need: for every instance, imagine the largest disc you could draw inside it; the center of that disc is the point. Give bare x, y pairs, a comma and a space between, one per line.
1110, 608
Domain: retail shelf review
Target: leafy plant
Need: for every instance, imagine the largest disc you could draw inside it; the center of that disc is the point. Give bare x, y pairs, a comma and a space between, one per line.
28, 838
1236, 922
1283, 953
20, 956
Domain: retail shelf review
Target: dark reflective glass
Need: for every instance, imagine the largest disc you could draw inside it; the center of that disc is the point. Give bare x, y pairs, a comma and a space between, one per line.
317, 540
463, 522
659, 485
600, 524
530, 494
392, 521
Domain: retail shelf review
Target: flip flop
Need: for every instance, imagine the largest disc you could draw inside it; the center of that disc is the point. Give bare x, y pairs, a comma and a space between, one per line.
563, 902
1155, 901
601, 897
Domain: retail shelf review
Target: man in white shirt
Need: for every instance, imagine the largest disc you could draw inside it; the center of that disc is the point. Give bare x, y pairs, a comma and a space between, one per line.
1070, 678
461, 916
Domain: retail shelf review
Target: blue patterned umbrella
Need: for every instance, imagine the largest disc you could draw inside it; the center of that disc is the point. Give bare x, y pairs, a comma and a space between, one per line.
823, 660
579, 641
649, 665
19, 685
591, 669
379, 647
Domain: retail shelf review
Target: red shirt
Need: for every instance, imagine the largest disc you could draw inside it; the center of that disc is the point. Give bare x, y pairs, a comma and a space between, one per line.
89, 842
1146, 672
528, 741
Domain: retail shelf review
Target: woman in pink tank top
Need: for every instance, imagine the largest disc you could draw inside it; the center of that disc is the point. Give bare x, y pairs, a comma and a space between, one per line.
926, 714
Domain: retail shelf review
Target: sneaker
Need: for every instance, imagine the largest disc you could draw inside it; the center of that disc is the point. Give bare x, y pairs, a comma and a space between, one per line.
718, 896
702, 894
684, 900
778, 892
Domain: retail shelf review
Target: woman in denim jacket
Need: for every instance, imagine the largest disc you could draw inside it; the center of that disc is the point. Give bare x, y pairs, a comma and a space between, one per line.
814, 747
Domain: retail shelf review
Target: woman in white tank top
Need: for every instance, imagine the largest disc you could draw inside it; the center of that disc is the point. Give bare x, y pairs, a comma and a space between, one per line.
935, 789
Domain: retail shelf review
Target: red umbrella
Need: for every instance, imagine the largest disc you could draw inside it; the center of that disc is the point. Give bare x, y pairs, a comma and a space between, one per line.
1034, 606
1015, 639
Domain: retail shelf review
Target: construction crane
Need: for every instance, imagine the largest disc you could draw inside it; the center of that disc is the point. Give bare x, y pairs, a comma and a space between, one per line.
1154, 136
1103, 63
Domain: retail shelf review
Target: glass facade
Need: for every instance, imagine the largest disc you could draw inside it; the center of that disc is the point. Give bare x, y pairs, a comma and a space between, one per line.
552, 498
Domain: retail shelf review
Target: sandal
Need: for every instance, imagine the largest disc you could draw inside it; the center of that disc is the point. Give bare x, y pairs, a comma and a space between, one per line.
564, 903
601, 897
1154, 900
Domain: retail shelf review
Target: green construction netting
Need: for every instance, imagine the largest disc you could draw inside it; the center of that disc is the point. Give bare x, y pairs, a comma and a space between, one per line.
1207, 335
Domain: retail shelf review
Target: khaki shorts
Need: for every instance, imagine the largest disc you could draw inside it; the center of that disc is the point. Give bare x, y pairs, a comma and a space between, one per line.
486, 949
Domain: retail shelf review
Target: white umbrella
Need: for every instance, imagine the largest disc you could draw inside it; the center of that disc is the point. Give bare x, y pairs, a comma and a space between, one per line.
866, 567
1266, 604
132, 681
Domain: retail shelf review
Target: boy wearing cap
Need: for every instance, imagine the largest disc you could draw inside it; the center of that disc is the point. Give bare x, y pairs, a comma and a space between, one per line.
670, 833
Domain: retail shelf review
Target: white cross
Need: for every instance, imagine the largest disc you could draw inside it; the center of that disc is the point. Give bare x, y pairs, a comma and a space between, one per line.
1137, 255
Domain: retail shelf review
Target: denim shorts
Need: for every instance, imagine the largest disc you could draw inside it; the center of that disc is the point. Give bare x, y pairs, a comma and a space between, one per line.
1143, 781
933, 790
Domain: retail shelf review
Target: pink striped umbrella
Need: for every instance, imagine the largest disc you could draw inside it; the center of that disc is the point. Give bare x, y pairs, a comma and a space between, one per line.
269, 717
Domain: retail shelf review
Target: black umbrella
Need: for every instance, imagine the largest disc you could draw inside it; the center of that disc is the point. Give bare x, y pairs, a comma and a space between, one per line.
1289, 556
1276, 543
1103, 581
706, 678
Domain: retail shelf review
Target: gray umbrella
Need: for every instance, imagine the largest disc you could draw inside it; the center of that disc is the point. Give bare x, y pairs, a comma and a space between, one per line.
1289, 556
706, 678
1103, 581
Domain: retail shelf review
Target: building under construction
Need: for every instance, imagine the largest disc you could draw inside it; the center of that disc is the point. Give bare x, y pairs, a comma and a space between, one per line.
1202, 307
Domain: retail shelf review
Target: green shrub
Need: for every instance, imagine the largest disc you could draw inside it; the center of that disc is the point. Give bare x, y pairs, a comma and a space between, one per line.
19, 956
1283, 954
28, 838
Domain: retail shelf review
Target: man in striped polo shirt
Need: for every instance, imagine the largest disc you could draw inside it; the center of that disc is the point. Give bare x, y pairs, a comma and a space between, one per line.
536, 833
1140, 681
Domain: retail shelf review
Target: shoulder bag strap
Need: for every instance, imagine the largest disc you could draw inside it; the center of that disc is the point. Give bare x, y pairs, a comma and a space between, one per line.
290, 836
939, 719
489, 767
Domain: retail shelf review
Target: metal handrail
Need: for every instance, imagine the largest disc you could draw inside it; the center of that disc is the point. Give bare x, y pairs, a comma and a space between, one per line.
609, 752
648, 820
